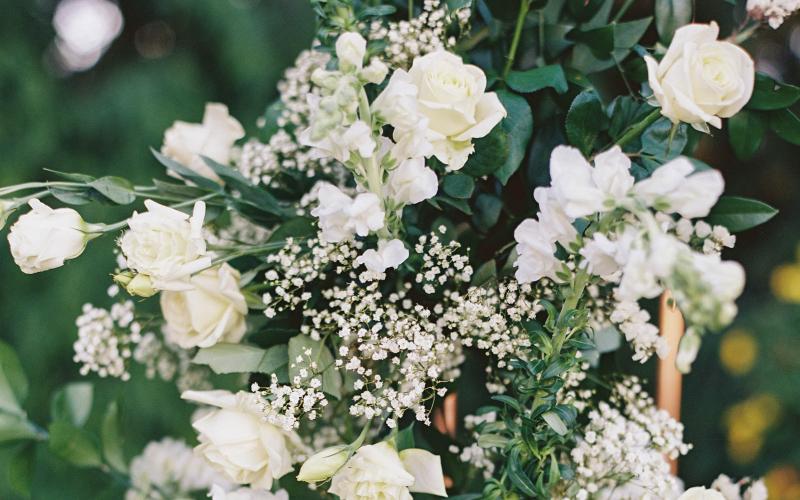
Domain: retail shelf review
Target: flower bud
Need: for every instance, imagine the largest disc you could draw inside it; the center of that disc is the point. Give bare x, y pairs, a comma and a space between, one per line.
141, 286
350, 49
376, 71
324, 464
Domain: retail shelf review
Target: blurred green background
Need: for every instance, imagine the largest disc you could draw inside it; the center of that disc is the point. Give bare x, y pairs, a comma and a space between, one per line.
741, 402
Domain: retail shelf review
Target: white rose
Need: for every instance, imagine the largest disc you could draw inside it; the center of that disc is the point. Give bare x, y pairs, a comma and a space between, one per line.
378, 471
390, 254
412, 182
398, 106
322, 465
700, 79
186, 142
166, 245
237, 441
218, 493
350, 50
365, 214
700, 493
582, 190
44, 238
214, 310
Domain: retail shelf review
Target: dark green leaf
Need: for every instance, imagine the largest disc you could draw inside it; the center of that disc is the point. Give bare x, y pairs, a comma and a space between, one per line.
297, 227
13, 383
509, 401
73, 445
458, 4
769, 94
116, 189
490, 152
671, 15
111, 438
15, 428
628, 34
21, 469
746, 131
187, 173
625, 111
487, 211
487, 271
243, 358
536, 79
585, 120
518, 477
72, 403
738, 214
74, 177
251, 193
456, 203
584, 10
599, 40
458, 185
664, 140
405, 438
518, 125
784, 123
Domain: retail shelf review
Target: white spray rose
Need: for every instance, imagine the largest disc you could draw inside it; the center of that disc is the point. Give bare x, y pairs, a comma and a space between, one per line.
350, 50
412, 182
378, 471
214, 310
322, 465
218, 493
390, 254
44, 238
700, 79
186, 142
166, 245
700, 493
238, 442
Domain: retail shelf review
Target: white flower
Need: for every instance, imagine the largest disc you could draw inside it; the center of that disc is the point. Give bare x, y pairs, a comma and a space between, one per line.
390, 253
44, 238
166, 245
218, 493
237, 440
322, 465
186, 142
582, 190
729, 489
332, 213
773, 10
378, 471
555, 223
169, 467
214, 310
398, 106
365, 214
350, 50
376, 71
756, 491
700, 493
412, 182
341, 142
535, 252
671, 188
600, 254
700, 79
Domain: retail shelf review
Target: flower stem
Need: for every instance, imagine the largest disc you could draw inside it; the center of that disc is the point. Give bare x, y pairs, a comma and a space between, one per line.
622, 10
410, 10
524, 6
635, 130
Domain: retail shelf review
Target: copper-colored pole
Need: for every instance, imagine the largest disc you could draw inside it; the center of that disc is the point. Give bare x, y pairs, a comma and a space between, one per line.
446, 419
668, 378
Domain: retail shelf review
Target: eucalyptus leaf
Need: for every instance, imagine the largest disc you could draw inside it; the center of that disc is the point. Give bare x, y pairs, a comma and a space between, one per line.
187, 173
73, 445
738, 214
242, 358
112, 437
536, 79
487, 211
116, 189
458, 185
72, 403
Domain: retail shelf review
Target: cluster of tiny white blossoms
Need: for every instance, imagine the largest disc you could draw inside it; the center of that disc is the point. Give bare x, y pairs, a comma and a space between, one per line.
572, 392
632, 244
473, 454
238, 230
106, 339
169, 362
774, 11
426, 33
261, 162
169, 469
624, 449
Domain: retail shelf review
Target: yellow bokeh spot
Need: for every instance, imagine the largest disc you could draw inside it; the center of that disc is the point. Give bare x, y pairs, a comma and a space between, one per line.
785, 282
783, 483
738, 352
747, 422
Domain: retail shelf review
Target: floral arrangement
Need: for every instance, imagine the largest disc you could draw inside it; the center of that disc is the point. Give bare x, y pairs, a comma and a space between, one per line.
441, 204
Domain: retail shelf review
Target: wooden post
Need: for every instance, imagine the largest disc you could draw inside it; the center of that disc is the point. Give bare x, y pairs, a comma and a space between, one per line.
668, 378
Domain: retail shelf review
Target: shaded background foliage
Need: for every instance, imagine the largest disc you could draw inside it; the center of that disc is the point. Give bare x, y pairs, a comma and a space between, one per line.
741, 402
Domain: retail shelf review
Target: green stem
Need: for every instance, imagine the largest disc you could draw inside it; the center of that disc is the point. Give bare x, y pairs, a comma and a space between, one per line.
524, 6
37, 185
622, 10
372, 170
635, 130
410, 10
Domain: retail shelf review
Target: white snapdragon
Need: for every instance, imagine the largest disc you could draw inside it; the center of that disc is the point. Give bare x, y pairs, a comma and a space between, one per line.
412, 182
166, 245
213, 310
340, 143
214, 138
379, 471
774, 11
217, 492
44, 238
397, 105
390, 254
675, 187
332, 213
555, 223
350, 50
599, 255
701, 80
535, 252
365, 214
237, 441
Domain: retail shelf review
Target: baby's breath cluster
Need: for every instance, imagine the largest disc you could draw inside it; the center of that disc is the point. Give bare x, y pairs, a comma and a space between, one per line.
442, 263
106, 339
169, 362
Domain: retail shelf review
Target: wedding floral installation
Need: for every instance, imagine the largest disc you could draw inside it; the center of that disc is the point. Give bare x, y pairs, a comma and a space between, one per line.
440, 202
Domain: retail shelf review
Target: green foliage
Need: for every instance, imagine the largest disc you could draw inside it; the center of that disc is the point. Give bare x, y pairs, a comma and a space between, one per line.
73, 445
112, 438
536, 79
242, 358
72, 403
518, 126
671, 15
458, 185
769, 94
785, 124
739, 214
585, 121
303, 351
746, 131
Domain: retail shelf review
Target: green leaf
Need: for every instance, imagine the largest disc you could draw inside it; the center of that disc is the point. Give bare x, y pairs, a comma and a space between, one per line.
13, 383
492, 441
487, 211
664, 140
518, 477
671, 15
536, 79
784, 123
490, 152
74, 177
623, 112
111, 438
518, 126
456, 203
739, 214
458, 185
405, 438
555, 423
309, 350
628, 34
73, 445
21, 468
16, 428
187, 173
770, 95
583, 10
71, 197
256, 196
599, 40
296, 227
585, 120
72, 403
487, 271
508, 401
458, 4
746, 131
242, 358
116, 189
